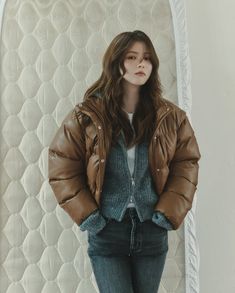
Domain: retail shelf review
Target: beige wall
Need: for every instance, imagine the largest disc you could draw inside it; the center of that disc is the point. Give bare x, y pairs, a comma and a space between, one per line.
211, 30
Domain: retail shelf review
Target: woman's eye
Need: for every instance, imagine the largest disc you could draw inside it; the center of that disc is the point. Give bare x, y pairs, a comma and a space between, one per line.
134, 57
130, 57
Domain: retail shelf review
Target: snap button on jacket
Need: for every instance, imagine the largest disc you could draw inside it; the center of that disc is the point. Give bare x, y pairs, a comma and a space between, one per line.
77, 158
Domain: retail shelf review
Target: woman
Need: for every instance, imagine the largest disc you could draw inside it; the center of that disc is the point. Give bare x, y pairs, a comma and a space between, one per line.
124, 166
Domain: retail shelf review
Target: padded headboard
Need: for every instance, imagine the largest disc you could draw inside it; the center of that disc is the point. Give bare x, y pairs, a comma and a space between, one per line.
51, 52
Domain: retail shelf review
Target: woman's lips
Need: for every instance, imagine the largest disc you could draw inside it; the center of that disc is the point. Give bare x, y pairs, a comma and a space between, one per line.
140, 74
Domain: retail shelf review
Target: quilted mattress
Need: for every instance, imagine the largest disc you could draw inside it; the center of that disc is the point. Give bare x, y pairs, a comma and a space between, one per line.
50, 53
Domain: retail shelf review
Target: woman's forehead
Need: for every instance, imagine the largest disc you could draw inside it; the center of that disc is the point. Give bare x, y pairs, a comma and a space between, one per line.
137, 47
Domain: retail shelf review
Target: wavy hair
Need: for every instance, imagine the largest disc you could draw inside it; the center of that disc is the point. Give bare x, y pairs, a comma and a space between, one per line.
109, 87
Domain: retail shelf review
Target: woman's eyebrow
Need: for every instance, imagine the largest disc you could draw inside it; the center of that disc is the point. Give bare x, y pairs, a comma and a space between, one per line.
137, 52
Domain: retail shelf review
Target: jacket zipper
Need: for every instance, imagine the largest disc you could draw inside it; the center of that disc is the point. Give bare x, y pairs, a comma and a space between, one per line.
131, 176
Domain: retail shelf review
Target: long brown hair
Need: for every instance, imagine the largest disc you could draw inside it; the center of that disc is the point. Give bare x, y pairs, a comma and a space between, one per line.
109, 87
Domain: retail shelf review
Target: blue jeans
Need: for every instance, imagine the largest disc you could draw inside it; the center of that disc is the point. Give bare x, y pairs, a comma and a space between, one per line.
128, 256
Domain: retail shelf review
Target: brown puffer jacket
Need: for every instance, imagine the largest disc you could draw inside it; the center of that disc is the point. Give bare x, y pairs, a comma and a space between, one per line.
77, 157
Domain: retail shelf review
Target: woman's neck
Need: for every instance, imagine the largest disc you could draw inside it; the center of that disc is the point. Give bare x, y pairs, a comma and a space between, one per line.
130, 103
130, 97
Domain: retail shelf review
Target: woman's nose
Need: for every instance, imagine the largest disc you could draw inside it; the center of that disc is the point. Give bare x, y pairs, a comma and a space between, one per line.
140, 63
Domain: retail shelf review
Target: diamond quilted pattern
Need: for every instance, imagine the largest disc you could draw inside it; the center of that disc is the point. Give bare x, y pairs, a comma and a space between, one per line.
43, 165
4, 248
13, 35
80, 64
84, 269
29, 50
173, 241
95, 53
172, 271
67, 245
46, 198
86, 286
32, 213
45, 33
5, 282
127, 16
109, 30
63, 218
11, 104
67, 278
33, 246
28, 17
15, 287
51, 287
164, 45
32, 185
63, 49
12, 66
61, 16
50, 263
160, 14
14, 163
13, 130
30, 114
79, 32
63, 81
15, 264
46, 65
15, 236
29, 82
50, 229
46, 96
94, 13
4, 216
32, 280
46, 122
31, 154
62, 105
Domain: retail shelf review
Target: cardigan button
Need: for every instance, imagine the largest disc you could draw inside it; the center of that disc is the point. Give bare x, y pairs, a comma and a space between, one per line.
99, 127
158, 170
102, 160
80, 104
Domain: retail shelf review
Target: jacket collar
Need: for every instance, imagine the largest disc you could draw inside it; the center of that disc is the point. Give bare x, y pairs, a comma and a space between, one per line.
94, 108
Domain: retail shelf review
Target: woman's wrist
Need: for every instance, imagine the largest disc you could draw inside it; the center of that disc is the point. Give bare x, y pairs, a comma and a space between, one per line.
161, 220
94, 223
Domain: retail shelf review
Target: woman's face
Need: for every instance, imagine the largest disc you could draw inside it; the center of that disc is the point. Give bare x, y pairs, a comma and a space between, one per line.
137, 59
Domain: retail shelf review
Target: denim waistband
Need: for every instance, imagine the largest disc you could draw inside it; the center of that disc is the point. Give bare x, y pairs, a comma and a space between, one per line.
131, 213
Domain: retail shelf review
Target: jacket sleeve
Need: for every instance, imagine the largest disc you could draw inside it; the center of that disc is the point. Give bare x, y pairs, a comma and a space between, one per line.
177, 197
67, 170
94, 223
160, 219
